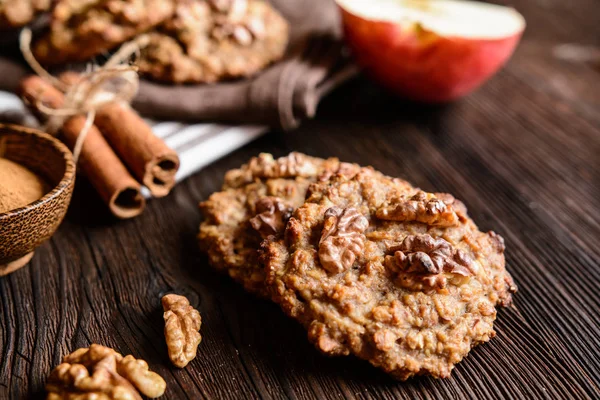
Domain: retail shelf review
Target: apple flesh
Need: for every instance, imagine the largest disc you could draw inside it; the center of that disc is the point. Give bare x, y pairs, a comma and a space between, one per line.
430, 50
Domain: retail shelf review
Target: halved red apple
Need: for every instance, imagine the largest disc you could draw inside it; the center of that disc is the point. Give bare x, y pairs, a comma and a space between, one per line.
430, 50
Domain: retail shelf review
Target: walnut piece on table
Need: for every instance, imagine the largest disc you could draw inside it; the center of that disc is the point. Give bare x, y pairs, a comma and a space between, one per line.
137, 372
100, 373
182, 325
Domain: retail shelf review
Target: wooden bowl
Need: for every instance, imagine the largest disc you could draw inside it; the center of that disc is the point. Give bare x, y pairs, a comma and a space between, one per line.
23, 229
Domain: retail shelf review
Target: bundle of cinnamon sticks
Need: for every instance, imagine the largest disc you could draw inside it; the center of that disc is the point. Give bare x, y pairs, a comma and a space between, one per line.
120, 151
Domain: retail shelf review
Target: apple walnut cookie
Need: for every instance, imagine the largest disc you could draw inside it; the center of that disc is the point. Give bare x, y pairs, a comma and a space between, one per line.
255, 203
82, 29
212, 40
374, 267
17, 13
182, 323
99, 372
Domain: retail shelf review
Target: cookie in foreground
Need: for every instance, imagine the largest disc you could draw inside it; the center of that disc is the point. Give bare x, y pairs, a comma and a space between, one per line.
399, 277
255, 202
213, 40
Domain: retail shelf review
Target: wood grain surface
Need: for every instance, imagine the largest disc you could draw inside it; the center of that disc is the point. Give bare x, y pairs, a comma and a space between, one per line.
523, 153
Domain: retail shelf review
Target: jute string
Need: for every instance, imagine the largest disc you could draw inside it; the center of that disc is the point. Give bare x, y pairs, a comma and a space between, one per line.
116, 81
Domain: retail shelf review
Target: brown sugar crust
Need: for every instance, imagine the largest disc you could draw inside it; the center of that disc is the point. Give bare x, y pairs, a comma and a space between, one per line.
82, 29
255, 203
213, 40
376, 268
17, 13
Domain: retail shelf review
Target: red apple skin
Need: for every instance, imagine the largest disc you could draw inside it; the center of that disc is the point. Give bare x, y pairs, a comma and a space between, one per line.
424, 66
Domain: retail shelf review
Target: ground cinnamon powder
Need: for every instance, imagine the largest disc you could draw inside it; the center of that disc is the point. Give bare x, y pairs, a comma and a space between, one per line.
18, 186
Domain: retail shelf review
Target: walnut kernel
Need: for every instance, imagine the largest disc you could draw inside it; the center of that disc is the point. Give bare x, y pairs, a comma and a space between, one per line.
421, 259
99, 372
342, 239
272, 215
292, 165
422, 207
497, 241
137, 372
182, 323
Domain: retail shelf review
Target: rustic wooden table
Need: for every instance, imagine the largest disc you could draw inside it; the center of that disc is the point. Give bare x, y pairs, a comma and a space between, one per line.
524, 155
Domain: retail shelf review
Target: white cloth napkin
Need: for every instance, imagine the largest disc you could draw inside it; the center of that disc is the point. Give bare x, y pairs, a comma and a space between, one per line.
197, 144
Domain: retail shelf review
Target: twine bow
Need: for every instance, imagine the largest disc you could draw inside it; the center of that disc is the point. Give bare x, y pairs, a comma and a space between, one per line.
115, 81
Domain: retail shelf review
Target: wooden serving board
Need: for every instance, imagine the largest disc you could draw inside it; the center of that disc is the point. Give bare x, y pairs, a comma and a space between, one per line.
523, 153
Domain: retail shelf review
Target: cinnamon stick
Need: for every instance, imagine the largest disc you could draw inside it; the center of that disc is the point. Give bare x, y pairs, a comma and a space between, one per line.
117, 188
150, 160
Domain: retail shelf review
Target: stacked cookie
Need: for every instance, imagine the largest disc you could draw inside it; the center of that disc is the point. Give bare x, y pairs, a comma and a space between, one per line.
368, 264
190, 41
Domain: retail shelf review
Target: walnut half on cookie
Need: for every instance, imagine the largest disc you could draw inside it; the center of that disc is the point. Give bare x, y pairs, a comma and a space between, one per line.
182, 323
99, 372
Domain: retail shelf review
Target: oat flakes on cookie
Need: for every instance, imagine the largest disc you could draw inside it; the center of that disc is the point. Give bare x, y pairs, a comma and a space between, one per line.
212, 40
82, 29
254, 204
18, 13
376, 268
